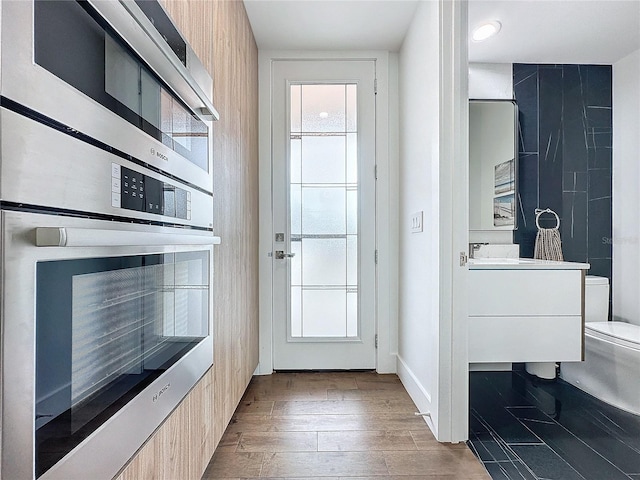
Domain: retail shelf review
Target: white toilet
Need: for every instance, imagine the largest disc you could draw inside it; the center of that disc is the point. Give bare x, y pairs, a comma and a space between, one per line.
612, 353
596, 309
596, 299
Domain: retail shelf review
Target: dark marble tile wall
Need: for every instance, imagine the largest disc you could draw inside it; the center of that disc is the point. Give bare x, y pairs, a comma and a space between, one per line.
565, 139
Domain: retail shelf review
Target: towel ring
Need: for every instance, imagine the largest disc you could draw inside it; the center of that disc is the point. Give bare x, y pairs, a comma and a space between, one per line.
539, 212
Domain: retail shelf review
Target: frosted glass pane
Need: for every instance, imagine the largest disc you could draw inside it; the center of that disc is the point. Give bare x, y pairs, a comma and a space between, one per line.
324, 261
323, 108
352, 210
296, 263
352, 158
295, 204
296, 311
324, 313
296, 112
352, 314
295, 165
352, 109
352, 260
323, 159
323, 210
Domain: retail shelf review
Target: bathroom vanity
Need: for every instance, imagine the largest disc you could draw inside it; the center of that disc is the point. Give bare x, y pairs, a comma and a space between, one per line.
520, 309
525, 310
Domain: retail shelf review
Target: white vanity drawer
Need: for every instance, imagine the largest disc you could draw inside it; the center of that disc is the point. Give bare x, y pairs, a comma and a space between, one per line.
525, 339
525, 292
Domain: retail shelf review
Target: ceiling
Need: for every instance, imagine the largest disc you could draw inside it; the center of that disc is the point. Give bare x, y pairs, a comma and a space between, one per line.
557, 31
330, 24
533, 31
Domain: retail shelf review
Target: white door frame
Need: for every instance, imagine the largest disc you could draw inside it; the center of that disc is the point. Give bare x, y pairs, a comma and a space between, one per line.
386, 228
454, 222
324, 352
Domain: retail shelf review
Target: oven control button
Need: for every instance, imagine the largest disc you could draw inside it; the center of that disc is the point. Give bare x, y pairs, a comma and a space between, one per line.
133, 182
115, 185
115, 170
153, 195
115, 199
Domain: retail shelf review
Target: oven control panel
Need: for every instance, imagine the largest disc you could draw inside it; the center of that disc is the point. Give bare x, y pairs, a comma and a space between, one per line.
135, 191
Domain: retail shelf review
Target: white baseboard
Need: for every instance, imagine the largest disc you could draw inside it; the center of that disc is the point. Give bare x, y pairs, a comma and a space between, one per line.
417, 392
387, 364
259, 371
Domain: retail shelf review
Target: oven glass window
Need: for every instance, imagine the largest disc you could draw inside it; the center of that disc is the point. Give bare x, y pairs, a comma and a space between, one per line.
105, 329
75, 44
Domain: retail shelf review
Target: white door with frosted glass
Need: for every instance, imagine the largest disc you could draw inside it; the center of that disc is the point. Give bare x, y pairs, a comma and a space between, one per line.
323, 147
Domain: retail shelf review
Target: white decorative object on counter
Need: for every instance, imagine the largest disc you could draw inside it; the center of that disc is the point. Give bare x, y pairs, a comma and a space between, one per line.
496, 251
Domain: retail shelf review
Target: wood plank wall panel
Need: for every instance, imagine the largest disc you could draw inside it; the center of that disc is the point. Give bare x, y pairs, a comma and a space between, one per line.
173, 458
143, 463
235, 179
220, 34
201, 424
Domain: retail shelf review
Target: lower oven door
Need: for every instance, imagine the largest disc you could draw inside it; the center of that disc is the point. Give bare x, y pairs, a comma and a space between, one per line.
106, 327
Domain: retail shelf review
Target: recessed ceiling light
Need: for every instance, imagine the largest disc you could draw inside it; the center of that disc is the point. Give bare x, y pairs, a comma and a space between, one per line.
324, 114
485, 30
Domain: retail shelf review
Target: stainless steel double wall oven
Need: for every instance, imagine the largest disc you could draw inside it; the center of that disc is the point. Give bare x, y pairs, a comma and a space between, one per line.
106, 190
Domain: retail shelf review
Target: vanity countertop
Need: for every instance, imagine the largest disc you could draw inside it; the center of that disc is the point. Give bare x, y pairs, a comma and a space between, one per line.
523, 264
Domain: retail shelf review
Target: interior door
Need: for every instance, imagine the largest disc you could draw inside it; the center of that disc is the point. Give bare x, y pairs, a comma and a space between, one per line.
324, 214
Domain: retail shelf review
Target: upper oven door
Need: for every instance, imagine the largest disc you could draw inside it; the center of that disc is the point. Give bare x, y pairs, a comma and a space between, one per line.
101, 70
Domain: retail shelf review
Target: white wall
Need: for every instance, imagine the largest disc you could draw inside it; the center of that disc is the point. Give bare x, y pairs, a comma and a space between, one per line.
433, 371
419, 188
491, 81
626, 189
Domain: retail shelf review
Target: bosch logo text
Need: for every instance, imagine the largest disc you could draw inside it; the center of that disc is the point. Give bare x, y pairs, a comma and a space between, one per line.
159, 155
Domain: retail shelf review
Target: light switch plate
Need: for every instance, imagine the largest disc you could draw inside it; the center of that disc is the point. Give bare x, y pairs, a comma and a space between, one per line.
416, 222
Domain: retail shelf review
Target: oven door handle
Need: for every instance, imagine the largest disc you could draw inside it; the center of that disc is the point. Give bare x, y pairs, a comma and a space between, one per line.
88, 237
140, 34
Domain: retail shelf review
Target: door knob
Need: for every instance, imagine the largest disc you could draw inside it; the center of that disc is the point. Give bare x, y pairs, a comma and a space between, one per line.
280, 255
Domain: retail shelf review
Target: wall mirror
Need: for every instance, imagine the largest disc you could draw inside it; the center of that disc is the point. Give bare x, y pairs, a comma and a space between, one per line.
493, 165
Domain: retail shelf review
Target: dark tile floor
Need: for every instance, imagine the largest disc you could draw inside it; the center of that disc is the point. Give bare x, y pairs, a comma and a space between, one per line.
523, 428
